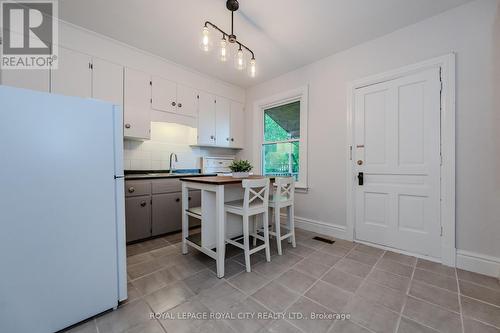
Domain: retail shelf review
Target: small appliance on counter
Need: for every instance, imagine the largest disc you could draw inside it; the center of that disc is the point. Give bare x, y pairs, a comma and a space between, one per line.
218, 165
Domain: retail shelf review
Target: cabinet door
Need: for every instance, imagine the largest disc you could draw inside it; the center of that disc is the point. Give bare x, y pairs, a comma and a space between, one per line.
163, 94
166, 210
194, 201
237, 125
222, 121
137, 105
107, 81
138, 217
187, 101
206, 119
36, 79
73, 76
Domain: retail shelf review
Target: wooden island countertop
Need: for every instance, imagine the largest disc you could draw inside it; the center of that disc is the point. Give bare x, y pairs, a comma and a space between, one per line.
221, 180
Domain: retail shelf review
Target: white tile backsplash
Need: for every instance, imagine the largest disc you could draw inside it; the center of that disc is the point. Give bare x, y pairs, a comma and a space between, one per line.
167, 138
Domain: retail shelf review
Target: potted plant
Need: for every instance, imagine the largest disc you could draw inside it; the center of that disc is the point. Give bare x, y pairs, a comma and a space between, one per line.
241, 168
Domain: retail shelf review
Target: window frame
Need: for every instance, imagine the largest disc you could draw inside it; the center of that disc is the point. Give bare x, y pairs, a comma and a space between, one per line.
301, 95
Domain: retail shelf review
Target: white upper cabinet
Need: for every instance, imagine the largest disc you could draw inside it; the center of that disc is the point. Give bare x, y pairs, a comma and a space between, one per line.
187, 101
107, 81
237, 125
163, 95
73, 77
137, 105
222, 121
206, 119
34, 79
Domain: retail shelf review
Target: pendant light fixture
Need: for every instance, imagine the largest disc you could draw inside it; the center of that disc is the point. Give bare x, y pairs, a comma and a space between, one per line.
240, 60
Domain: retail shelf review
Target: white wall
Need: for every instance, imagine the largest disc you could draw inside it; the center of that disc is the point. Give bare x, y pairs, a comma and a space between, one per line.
473, 32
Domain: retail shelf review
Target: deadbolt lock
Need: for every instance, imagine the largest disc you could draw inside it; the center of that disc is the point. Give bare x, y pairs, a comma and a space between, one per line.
360, 162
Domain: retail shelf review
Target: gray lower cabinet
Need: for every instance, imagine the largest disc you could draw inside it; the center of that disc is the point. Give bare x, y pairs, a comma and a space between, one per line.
138, 217
154, 207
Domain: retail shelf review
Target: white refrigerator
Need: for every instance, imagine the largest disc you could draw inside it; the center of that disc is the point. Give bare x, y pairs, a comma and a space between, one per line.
62, 223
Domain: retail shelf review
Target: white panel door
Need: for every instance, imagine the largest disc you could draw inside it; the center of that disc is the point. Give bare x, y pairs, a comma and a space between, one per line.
237, 125
187, 101
206, 119
73, 76
137, 105
222, 121
37, 79
107, 81
397, 149
163, 95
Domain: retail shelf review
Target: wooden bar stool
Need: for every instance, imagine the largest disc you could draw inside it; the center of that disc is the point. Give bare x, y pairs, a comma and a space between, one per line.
255, 202
281, 198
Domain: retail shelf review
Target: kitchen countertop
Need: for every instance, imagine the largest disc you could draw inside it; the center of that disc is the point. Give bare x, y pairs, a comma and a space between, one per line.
221, 180
158, 174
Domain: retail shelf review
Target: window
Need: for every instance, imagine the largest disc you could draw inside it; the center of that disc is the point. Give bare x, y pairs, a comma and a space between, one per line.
284, 133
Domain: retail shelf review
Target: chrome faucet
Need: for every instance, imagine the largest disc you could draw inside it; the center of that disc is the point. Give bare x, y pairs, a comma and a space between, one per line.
171, 169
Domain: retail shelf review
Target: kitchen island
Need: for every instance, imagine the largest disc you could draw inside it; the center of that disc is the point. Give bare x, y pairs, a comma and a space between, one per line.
215, 191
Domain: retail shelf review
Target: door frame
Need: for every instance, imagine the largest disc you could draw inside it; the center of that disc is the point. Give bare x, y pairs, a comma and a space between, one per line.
447, 170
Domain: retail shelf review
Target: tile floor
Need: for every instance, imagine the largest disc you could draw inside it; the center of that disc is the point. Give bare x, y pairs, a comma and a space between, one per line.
382, 291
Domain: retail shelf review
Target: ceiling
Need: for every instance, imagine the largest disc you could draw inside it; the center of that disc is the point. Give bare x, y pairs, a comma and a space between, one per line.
284, 34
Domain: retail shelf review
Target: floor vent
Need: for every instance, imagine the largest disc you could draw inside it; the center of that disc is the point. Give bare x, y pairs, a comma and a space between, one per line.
324, 240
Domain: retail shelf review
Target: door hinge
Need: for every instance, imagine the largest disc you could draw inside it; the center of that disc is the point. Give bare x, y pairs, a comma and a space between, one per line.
151, 201
151, 101
441, 231
198, 96
350, 153
150, 83
441, 159
91, 66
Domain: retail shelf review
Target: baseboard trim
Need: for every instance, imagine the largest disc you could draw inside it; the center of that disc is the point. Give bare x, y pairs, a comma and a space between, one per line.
329, 229
478, 263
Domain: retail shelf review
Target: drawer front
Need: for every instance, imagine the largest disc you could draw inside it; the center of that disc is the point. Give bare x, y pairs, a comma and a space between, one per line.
166, 186
136, 188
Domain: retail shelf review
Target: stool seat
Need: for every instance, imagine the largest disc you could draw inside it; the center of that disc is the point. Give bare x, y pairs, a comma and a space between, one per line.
238, 204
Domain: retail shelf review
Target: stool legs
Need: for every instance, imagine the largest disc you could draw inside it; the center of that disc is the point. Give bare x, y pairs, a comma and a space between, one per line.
246, 242
291, 225
266, 235
277, 228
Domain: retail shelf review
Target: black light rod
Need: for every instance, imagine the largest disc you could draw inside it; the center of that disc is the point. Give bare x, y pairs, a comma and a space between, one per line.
226, 34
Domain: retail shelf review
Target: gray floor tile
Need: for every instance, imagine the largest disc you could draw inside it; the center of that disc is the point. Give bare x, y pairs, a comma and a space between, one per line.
473, 326
481, 293
438, 296
295, 280
438, 280
485, 281
247, 320
372, 316
220, 298
138, 258
165, 251
87, 327
125, 317
390, 280
154, 281
394, 267
287, 260
401, 258
335, 250
481, 311
312, 268
432, 316
309, 242
306, 307
301, 250
212, 326
270, 269
329, 296
168, 297
353, 267
275, 296
343, 280
281, 326
435, 267
323, 258
362, 257
385, 296
347, 326
132, 293
151, 326
248, 282
143, 268
254, 259
183, 271
178, 323
202, 280
369, 250
409, 326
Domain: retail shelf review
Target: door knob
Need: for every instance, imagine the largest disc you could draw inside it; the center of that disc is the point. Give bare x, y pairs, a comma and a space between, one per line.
127, 125
131, 189
143, 204
173, 103
177, 199
360, 178
179, 105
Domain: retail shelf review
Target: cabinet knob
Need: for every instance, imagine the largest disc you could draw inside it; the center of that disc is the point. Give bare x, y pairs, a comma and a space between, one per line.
143, 204
179, 105
227, 139
232, 139
127, 126
212, 137
173, 103
177, 199
131, 189
189, 198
